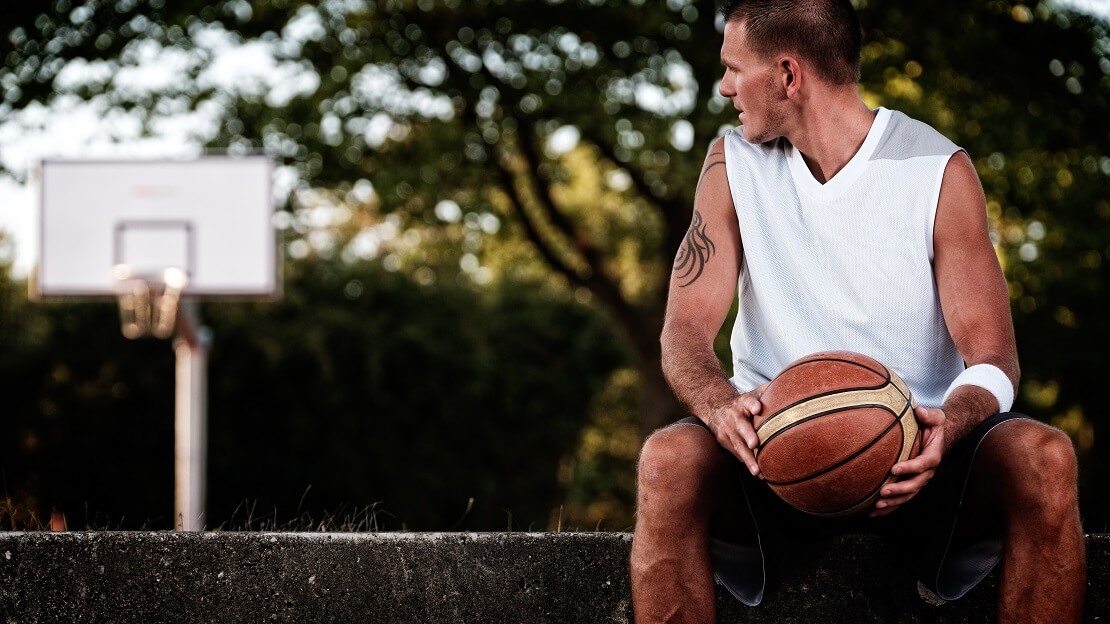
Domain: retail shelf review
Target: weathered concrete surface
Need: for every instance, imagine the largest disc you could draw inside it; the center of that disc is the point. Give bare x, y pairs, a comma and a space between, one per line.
526, 578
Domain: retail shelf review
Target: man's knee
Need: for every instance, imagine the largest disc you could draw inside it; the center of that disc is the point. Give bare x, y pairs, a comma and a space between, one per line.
677, 460
1040, 467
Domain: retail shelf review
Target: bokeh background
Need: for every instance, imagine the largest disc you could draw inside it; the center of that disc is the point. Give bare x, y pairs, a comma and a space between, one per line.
479, 204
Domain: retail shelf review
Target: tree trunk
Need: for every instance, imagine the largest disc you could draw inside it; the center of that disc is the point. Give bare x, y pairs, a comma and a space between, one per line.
658, 405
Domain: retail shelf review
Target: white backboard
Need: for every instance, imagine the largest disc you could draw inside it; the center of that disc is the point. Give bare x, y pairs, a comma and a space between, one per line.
210, 217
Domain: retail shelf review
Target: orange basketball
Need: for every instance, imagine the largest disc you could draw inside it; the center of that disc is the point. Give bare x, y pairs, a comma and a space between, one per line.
832, 426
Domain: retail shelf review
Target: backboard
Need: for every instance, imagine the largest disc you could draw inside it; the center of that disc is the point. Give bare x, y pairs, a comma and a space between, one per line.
106, 221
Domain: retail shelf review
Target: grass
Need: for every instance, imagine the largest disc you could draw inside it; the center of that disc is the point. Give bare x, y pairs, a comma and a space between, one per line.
373, 518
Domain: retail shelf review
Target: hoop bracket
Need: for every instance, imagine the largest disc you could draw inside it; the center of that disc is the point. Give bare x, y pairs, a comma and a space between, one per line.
148, 305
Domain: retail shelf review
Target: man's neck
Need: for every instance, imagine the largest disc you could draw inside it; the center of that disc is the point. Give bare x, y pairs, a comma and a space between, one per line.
829, 135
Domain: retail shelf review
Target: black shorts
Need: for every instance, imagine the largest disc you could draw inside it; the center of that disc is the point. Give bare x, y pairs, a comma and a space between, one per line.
945, 567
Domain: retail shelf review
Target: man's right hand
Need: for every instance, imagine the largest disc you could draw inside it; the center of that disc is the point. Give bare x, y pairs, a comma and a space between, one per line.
732, 424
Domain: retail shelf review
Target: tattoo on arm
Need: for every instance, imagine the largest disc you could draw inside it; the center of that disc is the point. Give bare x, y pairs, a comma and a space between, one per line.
705, 171
695, 252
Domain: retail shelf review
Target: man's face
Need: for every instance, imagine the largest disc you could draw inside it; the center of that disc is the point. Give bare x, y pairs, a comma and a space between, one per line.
749, 81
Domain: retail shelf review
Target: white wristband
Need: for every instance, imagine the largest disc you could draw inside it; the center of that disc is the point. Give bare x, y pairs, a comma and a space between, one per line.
990, 378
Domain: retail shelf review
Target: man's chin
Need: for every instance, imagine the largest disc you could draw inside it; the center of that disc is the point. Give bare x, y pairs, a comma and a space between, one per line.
751, 135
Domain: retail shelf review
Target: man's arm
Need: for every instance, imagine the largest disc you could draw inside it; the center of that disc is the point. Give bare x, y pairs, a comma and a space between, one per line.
976, 307
702, 287
973, 294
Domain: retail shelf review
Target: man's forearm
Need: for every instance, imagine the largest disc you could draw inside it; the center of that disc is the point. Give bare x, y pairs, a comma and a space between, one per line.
693, 370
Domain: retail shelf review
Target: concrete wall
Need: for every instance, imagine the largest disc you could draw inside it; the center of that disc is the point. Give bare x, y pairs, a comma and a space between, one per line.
421, 578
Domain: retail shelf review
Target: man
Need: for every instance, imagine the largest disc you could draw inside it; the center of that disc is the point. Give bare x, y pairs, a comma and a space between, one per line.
845, 228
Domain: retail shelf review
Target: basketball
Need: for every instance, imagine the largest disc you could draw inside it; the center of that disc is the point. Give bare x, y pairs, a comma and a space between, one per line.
832, 426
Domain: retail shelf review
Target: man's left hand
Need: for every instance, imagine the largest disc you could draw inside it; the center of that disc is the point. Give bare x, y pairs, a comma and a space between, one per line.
915, 473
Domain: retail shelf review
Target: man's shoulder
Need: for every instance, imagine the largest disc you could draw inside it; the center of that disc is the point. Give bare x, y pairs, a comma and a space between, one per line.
906, 137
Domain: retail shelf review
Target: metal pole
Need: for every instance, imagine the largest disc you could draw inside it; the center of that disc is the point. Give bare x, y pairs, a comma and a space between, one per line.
190, 346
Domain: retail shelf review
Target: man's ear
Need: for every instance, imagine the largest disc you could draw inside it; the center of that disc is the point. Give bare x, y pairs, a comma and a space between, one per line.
791, 75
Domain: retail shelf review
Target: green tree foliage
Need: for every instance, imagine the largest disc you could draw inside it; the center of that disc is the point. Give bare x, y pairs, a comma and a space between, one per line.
361, 392
475, 103
370, 388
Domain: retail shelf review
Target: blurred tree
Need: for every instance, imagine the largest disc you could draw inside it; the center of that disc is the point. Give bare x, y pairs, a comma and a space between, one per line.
580, 125
361, 400
87, 417
369, 387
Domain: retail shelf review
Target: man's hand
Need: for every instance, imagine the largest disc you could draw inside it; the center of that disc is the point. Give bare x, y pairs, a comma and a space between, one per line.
916, 472
732, 424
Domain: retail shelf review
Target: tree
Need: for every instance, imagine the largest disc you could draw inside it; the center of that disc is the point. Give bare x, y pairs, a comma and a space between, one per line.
476, 103
473, 96
363, 400
84, 410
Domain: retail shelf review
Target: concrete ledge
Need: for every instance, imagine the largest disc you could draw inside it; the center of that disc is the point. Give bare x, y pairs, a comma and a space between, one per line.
419, 578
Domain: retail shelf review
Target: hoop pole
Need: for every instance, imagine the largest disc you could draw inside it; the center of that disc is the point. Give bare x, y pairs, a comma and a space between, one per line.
190, 346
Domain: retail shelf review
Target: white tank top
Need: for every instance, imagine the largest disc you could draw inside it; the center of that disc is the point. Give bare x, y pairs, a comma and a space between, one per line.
846, 264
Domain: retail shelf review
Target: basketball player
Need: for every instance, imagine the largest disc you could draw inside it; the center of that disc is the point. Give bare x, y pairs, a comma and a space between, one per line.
841, 227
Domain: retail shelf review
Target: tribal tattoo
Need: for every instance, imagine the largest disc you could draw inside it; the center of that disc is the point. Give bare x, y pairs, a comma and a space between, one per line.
705, 171
696, 250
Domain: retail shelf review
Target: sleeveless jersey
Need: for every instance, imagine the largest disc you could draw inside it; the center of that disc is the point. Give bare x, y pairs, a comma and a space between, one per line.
846, 264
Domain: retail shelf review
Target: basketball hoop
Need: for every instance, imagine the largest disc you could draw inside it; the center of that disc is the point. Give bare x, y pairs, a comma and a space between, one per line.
139, 231
148, 305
